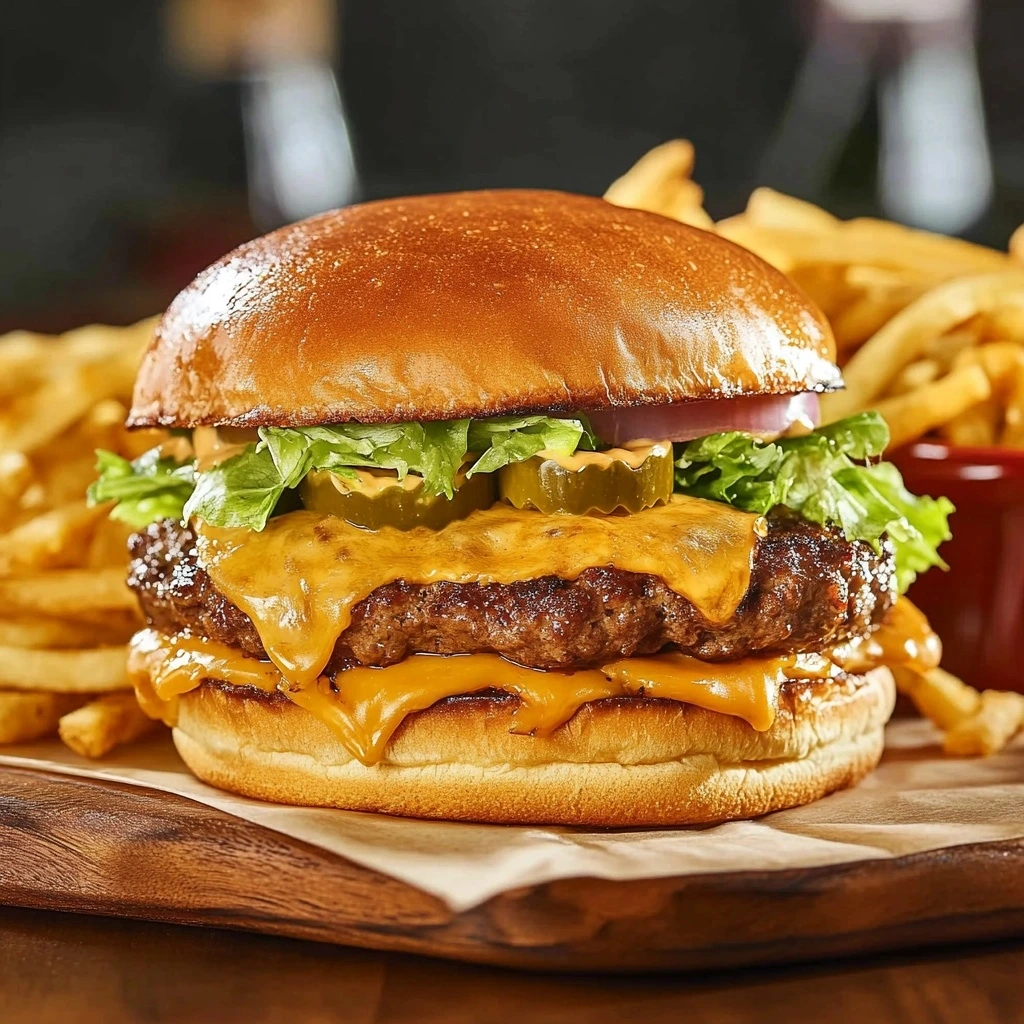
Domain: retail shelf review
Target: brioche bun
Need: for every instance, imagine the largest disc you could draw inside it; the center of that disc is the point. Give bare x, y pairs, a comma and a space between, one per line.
621, 762
476, 304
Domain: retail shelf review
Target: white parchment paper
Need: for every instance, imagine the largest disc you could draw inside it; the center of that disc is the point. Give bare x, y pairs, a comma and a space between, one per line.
917, 800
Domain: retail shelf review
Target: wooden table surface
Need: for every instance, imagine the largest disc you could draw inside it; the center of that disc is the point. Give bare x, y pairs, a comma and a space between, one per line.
59, 968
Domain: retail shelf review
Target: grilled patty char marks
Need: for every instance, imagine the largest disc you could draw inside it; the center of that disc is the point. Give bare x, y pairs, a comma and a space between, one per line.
809, 588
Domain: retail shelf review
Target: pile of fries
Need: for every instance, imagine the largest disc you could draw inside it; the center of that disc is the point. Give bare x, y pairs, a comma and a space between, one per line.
930, 329
930, 333
65, 612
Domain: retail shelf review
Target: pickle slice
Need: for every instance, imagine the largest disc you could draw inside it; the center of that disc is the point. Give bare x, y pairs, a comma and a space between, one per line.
374, 501
630, 479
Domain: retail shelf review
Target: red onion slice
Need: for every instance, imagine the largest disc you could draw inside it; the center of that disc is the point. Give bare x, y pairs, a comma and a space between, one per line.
762, 415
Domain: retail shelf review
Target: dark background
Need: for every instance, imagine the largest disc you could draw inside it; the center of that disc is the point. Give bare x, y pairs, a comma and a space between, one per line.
123, 171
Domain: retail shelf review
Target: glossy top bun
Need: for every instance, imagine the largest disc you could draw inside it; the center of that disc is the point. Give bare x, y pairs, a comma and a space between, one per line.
476, 304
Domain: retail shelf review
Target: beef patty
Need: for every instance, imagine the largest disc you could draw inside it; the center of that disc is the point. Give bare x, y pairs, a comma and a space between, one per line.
809, 588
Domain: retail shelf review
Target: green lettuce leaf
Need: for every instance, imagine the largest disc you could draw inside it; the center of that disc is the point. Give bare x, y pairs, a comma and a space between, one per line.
148, 489
506, 439
826, 477
245, 490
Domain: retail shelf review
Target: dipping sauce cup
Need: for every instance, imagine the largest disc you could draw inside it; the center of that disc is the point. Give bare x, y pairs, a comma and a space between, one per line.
977, 608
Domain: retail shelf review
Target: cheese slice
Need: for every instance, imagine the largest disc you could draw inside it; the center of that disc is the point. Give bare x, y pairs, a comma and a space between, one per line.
299, 579
365, 706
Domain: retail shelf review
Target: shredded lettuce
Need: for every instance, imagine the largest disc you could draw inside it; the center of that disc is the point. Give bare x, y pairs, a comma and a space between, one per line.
148, 489
827, 476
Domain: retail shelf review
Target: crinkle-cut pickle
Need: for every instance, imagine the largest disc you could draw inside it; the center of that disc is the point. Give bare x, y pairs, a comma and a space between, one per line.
390, 502
549, 486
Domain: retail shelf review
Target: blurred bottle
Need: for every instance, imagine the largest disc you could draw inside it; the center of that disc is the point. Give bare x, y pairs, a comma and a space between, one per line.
298, 151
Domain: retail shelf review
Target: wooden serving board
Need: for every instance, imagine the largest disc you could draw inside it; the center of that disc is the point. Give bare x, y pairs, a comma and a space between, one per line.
103, 848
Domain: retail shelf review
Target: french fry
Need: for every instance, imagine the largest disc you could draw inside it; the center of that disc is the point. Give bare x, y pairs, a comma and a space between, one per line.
38, 631
770, 209
647, 184
41, 415
66, 593
108, 545
30, 716
905, 337
97, 670
763, 243
1017, 244
911, 415
946, 347
1000, 360
59, 538
1013, 428
96, 728
914, 375
997, 720
939, 695
865, 316
1006, 324
687, 206
23, 362
976, 427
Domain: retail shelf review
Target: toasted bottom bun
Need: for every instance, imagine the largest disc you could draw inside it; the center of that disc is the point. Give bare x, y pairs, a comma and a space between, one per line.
619, 762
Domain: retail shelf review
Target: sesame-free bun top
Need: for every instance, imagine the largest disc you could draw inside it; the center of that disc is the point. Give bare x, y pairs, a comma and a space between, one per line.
476, 304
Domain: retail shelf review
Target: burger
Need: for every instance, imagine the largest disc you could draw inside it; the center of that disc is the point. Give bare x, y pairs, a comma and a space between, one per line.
511, 506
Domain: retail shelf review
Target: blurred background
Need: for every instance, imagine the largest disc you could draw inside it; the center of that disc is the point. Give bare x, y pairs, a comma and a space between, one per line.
141, 140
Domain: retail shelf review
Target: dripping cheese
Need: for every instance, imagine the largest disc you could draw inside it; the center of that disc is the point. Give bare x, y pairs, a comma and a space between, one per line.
299, 579
365, 706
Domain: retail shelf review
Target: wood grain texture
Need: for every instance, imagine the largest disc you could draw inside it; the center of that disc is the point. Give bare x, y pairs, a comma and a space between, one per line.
76, 969
103, 848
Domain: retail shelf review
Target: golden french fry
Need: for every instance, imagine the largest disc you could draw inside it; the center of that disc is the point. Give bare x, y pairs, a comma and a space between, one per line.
997, 720
1000, 361
1006, 324
770, 209
687, 206
97, 670
827, 285
893, 245
1017, 244
913, 376
24, 359
905, 337
43, 414
912, 415
1013, 424
647, 184
15, 475
975, 427
30, 716
945, 348
762, 243
37, 631
67, 593
101, 725
865, 316
56, 539
109, 544
939, 695
61, 482
880, 280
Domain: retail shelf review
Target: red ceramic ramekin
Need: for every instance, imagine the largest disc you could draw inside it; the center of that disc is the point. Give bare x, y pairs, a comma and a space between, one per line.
977, 608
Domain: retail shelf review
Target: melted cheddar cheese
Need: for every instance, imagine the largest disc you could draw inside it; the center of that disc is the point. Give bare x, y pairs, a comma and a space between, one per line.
301, 577
365, 706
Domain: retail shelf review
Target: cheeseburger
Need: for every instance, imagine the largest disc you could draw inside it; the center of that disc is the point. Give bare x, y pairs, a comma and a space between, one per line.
511, 507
